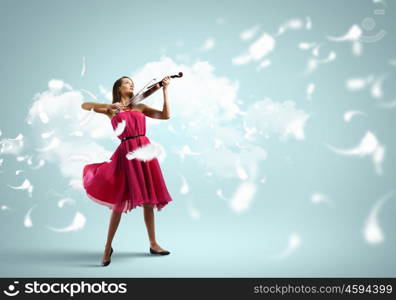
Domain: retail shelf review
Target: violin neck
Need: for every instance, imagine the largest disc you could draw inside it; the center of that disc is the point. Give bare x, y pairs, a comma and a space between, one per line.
152, 88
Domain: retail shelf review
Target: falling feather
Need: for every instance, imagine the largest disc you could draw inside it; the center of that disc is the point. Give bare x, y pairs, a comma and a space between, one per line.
145, 153
26, 185
77, 224
120, 127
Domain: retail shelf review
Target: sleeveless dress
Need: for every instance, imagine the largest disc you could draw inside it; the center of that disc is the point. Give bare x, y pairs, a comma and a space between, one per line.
122, 184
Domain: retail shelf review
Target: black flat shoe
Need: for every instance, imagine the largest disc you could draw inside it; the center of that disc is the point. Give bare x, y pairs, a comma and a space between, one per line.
152, 251
106, 263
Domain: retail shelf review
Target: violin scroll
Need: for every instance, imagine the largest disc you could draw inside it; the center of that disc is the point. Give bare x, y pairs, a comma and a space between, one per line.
160, 82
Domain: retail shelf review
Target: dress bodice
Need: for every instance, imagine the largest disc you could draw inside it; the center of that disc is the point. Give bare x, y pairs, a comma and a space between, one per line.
135, 123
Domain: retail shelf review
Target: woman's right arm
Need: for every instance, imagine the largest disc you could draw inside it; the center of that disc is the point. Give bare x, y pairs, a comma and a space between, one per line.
97, 107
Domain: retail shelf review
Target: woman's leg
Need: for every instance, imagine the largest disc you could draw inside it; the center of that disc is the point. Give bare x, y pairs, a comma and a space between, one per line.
114, 221
149, 220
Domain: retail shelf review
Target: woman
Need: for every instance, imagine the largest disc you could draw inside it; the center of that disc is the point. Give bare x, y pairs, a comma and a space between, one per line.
121, 183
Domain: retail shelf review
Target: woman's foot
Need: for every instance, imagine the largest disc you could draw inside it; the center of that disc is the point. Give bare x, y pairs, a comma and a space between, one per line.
156, 249
107, 255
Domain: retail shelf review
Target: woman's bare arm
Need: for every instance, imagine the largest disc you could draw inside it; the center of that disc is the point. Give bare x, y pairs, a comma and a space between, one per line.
155, 113
103, 108
152, 112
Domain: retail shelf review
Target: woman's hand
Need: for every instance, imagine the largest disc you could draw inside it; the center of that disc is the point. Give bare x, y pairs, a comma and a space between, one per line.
116, 106
165, 81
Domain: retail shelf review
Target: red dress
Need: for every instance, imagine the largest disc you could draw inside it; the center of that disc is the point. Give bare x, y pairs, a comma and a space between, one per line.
123, 184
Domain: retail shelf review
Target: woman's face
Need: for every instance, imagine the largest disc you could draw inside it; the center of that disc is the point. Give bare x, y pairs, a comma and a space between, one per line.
126, 88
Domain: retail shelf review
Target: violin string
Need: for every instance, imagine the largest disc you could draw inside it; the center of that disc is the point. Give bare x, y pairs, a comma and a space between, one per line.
138, 94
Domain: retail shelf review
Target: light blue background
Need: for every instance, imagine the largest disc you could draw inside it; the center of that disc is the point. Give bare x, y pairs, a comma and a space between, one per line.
41, 40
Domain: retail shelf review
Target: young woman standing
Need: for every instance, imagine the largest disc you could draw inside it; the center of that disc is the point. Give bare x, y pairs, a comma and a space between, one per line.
122, 184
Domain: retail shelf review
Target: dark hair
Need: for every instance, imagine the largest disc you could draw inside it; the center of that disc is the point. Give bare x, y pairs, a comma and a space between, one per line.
116, 85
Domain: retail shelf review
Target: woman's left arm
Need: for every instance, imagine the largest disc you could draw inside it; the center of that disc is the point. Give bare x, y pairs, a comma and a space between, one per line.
157, 114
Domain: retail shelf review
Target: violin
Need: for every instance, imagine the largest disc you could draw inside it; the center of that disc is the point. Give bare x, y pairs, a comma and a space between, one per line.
140, 96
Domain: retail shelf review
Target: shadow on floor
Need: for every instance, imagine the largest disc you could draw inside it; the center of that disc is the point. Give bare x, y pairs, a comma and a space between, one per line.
72, 257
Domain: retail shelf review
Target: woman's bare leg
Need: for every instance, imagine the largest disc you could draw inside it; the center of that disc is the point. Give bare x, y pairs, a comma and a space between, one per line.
114, 221
149, 220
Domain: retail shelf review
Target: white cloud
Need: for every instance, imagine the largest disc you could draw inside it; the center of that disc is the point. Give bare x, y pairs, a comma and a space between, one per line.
46, 135
55, 143
92, 95
57, 85
106, 93
12, 146
281, 118
222, 161
87, 117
